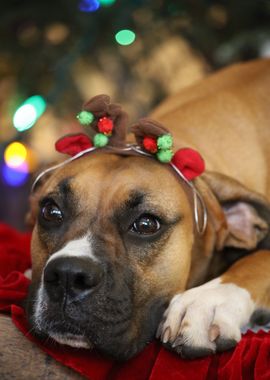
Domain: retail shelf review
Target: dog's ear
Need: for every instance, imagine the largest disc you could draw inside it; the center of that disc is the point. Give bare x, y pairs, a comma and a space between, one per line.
242, 217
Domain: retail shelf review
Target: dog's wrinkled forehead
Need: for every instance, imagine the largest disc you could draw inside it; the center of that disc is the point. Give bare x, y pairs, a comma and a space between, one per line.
104, 182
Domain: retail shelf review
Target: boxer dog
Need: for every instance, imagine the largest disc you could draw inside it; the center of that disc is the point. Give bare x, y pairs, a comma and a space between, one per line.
123, 244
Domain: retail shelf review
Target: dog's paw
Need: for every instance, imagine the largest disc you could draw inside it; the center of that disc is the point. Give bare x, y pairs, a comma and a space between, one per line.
206, 319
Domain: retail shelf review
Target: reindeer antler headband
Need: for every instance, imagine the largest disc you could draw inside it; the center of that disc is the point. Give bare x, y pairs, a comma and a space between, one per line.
108, 126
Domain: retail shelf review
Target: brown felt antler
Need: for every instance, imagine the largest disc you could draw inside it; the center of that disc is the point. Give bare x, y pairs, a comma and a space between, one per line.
152, 137
100, 107
147, 128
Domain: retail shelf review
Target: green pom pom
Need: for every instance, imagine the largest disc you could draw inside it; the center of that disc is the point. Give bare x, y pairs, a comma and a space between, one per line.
165, 142
165, 155
100, 140
85, 117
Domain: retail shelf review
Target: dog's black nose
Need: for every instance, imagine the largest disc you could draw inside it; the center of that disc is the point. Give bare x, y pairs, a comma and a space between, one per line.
71, 277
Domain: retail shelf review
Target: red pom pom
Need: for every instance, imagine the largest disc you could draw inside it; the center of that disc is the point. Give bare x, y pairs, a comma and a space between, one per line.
189, 162
105, 125
150, 144
73, 144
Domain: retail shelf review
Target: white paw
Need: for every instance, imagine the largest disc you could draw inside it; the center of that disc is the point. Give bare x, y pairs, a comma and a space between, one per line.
206, 319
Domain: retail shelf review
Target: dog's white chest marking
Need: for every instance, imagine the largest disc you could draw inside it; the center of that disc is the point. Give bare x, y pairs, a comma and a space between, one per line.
207, 316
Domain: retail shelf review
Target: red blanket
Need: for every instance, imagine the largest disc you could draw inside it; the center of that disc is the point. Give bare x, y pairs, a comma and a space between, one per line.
249, 360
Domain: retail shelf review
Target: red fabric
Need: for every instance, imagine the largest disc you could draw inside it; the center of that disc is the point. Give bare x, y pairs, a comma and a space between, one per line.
14, 261
189, 162
248, 361
73, 144
13, 288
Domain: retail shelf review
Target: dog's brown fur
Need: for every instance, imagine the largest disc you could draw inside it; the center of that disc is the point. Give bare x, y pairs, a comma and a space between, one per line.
226, 117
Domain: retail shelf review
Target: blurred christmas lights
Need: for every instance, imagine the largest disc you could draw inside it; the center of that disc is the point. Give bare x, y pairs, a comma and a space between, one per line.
94, 5
38, 102
56, 33
106, 3
15, 176
89, 5
25, 117
15, 154
125, 37
19, 161
28, 113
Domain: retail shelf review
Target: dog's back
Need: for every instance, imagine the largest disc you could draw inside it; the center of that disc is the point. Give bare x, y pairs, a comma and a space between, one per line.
227, 118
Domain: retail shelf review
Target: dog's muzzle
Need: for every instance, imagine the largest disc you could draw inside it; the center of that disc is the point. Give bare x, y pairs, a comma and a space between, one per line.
86, 303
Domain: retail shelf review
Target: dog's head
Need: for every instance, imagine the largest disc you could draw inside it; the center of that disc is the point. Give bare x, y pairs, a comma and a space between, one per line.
114, 240
111, 245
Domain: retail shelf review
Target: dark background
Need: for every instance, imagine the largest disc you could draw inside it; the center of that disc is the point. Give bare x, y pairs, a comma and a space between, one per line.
66, 55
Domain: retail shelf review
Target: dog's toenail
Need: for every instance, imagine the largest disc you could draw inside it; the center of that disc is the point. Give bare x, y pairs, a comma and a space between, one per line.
213, 333
166, 335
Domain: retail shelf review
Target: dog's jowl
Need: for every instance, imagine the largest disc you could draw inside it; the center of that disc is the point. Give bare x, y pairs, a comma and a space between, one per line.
133, 241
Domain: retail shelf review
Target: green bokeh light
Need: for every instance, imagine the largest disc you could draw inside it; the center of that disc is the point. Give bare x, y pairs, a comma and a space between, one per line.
28, 113
38, 102
25, 117
106, 3
125, 37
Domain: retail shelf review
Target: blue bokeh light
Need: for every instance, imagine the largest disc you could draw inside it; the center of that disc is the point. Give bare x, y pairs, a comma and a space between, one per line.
89, 5
15, 177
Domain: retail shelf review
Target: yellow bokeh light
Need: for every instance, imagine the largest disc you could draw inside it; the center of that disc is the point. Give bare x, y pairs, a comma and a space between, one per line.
15, 154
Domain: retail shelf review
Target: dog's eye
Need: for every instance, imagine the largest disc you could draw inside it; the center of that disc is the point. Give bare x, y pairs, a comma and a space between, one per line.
52, 213
146, 225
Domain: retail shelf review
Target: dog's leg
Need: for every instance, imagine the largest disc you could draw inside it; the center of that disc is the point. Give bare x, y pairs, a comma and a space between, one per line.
209, 318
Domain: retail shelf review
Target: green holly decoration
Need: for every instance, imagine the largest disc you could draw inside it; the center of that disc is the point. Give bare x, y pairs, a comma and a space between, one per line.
165, 142
165, 155
85, 117
100, 140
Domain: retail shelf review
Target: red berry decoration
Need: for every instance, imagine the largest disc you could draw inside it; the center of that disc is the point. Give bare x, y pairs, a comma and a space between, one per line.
150, 144
105, 126
189, 162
